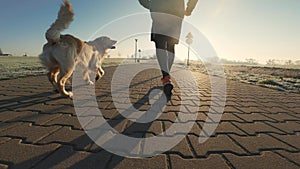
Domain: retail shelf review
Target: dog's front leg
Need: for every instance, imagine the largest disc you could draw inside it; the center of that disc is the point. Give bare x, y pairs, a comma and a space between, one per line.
100, 73
86, 77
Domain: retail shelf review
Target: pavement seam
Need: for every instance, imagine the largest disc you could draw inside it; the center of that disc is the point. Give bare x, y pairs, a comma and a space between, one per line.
284, 141
10, 127
107, 165
47, 135
228, 161
297, 164
237, 143
286, 133
44, 158
256, 132
190, 147
2, 142
169, 162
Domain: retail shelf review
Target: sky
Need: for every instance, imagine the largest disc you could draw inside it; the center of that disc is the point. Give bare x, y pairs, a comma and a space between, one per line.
237, 29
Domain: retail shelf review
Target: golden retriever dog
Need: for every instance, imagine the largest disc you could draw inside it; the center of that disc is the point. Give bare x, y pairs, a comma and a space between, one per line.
63, 52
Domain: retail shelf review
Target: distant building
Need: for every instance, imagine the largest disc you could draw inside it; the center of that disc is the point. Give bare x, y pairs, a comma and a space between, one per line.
3, 54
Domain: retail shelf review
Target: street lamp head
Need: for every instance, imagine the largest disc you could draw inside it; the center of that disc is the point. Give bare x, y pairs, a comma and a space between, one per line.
189, 36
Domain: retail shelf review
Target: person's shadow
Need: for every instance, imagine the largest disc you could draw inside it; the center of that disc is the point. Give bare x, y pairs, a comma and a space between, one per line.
99, 158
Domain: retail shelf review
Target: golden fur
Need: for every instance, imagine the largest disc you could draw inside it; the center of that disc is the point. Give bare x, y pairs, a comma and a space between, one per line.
63, 52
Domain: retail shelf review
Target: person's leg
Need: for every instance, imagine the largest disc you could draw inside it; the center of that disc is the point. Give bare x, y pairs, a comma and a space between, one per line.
165, 60
171, 54
162, 57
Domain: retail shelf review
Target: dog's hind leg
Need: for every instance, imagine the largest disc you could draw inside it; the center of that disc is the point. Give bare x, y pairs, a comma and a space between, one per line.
63, 77
52, 77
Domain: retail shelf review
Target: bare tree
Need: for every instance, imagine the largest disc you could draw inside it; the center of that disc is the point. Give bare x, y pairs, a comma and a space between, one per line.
271, 62
289, 62
251, 61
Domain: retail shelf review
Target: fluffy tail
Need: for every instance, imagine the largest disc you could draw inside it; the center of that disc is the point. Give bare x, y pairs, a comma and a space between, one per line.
63, 21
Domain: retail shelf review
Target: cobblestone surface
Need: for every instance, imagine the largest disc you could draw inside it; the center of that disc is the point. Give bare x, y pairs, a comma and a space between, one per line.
260, 127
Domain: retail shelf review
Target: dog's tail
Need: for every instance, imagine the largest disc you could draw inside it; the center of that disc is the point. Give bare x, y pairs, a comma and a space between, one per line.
63, 21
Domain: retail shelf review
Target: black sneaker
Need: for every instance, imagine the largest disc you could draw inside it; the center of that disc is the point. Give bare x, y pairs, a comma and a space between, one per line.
168, 90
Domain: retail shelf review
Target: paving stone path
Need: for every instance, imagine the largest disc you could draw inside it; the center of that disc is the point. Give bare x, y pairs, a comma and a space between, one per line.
260, 127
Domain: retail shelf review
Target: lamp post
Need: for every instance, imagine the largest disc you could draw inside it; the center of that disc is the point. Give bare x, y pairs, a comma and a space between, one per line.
189, 40
136, 44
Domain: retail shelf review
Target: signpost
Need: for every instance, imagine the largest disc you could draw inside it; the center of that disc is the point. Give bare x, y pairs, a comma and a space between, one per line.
189, 40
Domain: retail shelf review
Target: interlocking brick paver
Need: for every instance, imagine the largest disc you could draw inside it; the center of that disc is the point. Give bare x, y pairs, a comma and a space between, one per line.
282, 117
156, 162
67, 157
266, 160
16, 116
295, 109
257, 127
29, 132
182, 149
212, 161
136, 130
24, 155
203, 108
43, 108
66, 135
276, 109
227, 128
65, 120
262, 142
231, 109
231, 117
195, 130
41, 119
219, 144
289, 127
248, 110
169, 116
40, 129
292, 140
253, 117
4, 139
290, 156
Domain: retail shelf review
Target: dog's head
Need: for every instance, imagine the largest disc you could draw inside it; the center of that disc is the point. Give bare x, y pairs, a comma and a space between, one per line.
102, 44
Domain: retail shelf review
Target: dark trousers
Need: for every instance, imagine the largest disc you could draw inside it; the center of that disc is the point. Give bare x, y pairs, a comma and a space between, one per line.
165, 52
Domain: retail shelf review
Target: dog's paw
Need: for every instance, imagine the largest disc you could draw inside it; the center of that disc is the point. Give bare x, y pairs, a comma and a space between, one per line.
67, 95
70, 95
90, 83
